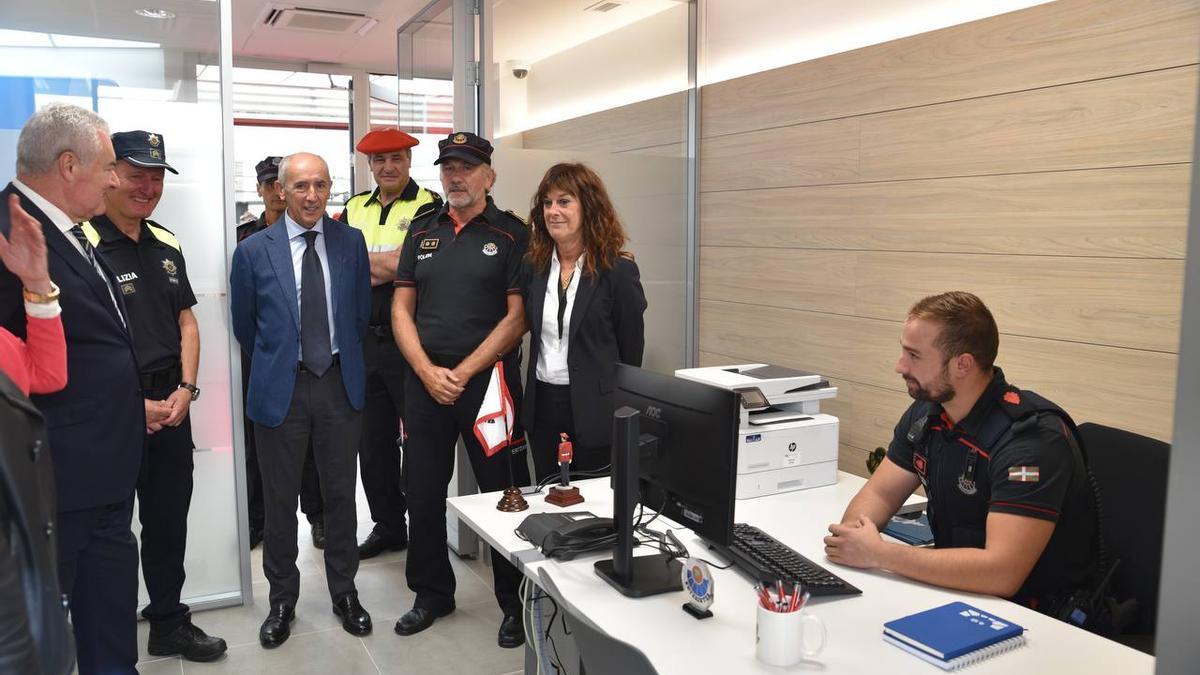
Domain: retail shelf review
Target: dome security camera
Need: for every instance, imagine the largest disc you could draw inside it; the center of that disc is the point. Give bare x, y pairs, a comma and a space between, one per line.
519, 69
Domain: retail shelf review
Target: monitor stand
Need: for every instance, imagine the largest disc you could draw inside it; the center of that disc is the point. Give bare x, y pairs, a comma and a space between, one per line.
644, 575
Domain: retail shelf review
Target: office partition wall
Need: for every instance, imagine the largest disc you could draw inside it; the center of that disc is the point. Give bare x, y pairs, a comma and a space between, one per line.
142, 71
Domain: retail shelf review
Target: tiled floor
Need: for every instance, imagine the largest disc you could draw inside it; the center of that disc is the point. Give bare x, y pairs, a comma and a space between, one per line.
464, 642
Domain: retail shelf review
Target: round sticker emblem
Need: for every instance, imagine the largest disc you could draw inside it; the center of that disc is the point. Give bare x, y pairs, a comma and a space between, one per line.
698, 582
490, 249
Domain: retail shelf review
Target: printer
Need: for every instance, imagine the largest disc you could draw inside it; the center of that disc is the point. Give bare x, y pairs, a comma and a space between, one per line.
785, 443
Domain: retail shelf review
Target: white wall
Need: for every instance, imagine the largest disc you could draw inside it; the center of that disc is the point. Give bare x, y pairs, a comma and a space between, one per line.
740, 37
640, 61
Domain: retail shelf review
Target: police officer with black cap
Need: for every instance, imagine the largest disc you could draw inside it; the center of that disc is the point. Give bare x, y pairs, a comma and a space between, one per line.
311, 502
383, 215
151, 276
457, 309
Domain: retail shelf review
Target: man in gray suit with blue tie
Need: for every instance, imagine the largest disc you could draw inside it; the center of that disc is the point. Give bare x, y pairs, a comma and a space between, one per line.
300, 295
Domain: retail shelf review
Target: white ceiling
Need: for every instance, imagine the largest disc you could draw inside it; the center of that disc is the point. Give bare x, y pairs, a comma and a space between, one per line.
193, 29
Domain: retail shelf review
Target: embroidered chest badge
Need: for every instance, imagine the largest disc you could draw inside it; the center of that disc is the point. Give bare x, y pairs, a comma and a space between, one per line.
490, 249
1024, 474
169, 266
966, 481
430, 244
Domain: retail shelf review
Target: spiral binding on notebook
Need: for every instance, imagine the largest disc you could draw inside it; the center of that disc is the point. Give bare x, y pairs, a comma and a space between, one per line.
971, 658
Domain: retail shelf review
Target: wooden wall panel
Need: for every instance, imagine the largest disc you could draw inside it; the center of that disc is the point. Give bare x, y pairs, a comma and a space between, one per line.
1132, 120
809, 154
1064, 41
1117, 302
1128, 388
1136, 212
1041, 159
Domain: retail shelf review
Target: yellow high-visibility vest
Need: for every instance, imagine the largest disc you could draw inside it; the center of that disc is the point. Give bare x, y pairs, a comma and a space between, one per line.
364, 213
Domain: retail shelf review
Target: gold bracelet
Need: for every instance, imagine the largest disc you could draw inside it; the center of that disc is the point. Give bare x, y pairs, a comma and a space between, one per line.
41, 298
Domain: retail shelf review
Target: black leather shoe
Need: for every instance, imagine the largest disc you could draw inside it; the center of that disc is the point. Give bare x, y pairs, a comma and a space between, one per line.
355, 619
379, 541
418, 619
187, 641
278, 626
256, 537
512, 632
318, 534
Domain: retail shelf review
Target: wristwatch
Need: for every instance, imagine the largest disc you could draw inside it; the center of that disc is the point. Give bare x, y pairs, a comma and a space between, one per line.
192, 388
41, 298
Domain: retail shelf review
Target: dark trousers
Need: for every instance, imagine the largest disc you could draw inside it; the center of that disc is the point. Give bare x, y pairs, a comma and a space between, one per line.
379, 453
319, 414
97, 568
553, 416
428, 465
310, 488
164, 493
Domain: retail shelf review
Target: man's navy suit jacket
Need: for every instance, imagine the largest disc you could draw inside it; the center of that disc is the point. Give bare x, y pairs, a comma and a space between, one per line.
266, 315
97, 424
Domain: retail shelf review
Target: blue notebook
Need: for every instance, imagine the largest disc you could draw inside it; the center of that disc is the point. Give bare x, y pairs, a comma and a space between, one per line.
955, 634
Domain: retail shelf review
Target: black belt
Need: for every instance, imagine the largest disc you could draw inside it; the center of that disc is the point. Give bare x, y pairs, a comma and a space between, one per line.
301, 368
162, 378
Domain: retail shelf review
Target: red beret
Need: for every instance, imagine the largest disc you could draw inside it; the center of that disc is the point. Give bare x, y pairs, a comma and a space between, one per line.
385, 140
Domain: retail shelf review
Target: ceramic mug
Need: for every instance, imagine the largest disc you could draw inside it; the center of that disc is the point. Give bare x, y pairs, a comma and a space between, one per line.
783, 637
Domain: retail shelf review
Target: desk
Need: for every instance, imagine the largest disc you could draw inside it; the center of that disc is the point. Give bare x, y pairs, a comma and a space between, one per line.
676, 643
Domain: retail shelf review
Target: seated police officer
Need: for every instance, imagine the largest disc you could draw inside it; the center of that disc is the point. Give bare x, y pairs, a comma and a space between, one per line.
153, 282
1009, 498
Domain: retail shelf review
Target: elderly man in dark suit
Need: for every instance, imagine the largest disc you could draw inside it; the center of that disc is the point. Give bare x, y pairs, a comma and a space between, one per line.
65, 163
300, 294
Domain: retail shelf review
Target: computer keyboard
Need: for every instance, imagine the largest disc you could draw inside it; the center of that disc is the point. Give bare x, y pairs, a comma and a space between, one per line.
765, 558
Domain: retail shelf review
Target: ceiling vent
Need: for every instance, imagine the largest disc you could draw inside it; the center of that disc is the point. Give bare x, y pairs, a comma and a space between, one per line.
317, 20
603, 6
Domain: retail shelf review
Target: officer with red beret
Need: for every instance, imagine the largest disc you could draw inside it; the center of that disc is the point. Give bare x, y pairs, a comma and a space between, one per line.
383, 216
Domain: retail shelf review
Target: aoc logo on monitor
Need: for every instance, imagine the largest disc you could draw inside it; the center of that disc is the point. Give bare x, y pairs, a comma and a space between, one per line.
653, 412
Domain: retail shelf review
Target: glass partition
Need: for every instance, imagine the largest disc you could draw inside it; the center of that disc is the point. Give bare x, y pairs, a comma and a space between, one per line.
605, 84
140, 72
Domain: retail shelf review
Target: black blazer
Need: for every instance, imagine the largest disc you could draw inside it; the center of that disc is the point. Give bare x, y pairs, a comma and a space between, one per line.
606, 328
97, 424
34, 634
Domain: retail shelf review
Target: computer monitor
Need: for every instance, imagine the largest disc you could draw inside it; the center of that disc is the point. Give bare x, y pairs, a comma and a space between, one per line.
688, 449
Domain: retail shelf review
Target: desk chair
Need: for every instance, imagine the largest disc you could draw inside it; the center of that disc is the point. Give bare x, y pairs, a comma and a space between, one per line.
1131, 475
599, 652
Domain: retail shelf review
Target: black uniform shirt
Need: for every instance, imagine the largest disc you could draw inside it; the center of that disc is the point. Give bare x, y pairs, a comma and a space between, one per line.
1038, 473
152, 277
257, 225
462, 279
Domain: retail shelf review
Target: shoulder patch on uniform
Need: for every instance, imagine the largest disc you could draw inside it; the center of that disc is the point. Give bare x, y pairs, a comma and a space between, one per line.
514, 215
164, 235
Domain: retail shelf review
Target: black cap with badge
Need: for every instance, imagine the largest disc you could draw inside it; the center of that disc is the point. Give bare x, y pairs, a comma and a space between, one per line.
268, 169
142, 148
466, 146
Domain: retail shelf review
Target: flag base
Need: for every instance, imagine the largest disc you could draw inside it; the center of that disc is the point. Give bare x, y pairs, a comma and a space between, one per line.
512, 501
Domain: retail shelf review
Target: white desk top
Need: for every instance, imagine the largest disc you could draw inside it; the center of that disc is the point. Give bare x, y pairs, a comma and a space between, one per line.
725, 643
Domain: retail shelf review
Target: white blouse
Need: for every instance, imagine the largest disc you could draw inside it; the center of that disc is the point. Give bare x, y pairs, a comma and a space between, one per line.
552, 354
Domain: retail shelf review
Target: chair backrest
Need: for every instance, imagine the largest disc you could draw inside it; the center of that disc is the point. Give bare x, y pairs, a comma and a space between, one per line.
599, 652
1131, 475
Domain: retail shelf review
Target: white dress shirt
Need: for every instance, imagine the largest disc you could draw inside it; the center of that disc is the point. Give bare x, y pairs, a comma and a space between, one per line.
64, 224
552, 355
296, 241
